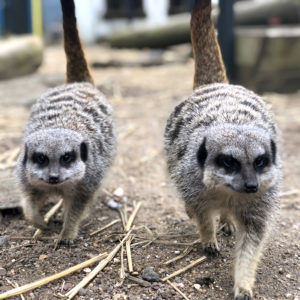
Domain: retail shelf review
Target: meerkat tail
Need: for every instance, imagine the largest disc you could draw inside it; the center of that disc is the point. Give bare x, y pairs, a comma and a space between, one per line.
77, 67
209, 66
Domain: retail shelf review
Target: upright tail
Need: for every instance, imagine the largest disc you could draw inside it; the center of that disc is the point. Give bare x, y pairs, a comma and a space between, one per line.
209, 66
77, 67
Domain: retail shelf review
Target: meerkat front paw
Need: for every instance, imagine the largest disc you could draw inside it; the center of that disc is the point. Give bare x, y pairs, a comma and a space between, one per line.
242, 294
211, 248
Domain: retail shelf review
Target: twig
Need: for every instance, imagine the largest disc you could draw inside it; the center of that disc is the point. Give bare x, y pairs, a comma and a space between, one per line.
129, 257
105, 227
13, 155
29, 238
122, 269
15, 285
4, 166
155, 241
72, 293
48, 216
28, 287
122, 216
194, 263
185, 252
177, 290
289, 193
139, 281
128, 242
132, 217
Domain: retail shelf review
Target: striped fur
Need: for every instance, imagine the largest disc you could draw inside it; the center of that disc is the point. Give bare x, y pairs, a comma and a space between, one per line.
221, 148
69, 141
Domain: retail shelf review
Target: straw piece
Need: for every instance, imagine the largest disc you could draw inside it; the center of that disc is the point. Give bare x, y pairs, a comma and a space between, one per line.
105, 227
28, 287
177, 290
194, 263
132, 217
72, 293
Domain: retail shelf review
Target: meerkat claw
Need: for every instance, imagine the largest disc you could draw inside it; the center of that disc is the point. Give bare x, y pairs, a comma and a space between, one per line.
211, 249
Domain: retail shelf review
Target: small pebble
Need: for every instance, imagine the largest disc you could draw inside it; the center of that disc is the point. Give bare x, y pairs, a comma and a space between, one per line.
197, 286
119, 192
87, 270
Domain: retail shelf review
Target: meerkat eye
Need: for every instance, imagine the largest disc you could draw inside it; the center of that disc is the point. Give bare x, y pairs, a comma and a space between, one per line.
67, 158
40, 159
261, 162
229, 163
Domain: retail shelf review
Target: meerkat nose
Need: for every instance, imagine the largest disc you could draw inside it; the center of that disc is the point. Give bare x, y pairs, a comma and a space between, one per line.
250, 187
53, 179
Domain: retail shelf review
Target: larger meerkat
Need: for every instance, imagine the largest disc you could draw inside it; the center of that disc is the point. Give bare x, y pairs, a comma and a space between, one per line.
221, 153
69, 140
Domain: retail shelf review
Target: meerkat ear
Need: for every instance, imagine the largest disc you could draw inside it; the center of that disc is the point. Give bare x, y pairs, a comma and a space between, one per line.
202, 154
83, 151
273, 149
25, 153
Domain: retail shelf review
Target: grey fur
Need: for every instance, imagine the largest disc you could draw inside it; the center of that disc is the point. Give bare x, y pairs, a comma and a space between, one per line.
222, 119
75, 119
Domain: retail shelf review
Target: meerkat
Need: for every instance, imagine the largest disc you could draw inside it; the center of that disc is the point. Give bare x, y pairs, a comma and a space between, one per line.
221, 147
69, 140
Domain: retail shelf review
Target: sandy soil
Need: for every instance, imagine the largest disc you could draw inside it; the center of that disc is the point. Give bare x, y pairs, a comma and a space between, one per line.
142, 99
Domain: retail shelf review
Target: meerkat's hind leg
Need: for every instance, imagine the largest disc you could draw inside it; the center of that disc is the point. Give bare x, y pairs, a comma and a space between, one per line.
31, 204
227, 223
207, 227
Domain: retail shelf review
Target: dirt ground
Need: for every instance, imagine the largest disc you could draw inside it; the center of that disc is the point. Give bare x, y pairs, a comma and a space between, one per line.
143, 98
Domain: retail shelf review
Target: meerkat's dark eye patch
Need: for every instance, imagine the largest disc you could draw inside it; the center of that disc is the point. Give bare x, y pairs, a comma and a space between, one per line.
40, 159
66, 159
229, 163
261, 162
83, 152
202, 154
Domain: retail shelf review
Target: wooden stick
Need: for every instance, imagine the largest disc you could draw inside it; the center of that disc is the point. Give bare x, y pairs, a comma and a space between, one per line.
177, 290
105, 227
72, 293
48, 216
132, 217
28, 287
194, 263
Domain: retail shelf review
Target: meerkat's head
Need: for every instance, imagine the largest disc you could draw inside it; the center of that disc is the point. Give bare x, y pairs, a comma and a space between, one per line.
53, 157
239, 159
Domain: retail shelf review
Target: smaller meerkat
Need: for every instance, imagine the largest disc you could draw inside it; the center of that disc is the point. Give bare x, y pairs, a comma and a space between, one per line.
69, 141
221, 147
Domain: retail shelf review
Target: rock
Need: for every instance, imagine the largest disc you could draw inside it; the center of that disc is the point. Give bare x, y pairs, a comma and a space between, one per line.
3, 240
149, 275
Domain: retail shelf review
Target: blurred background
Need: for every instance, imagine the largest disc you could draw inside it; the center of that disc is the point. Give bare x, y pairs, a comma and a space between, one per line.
260, 39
